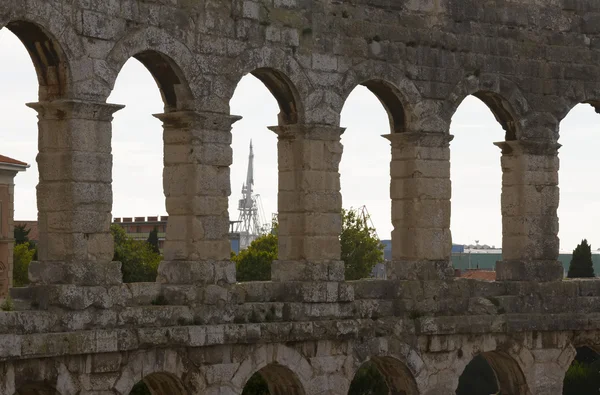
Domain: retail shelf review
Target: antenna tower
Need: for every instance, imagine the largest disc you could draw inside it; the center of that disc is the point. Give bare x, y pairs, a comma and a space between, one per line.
249, 225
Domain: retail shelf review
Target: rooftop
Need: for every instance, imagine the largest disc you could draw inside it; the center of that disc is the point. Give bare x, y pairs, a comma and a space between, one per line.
487, 275
11, 161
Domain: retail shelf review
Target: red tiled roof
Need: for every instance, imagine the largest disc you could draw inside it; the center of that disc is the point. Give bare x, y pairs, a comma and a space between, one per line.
6, 159
487, 275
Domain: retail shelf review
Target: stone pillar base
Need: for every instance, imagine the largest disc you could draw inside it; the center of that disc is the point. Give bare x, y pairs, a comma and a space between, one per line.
307, 271
419, 270
75, 273
196, 272
542, 271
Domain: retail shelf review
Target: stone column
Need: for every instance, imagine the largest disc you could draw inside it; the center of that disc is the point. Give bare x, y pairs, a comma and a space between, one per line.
546, 374
197, 186
74, 194
530, 198
309, 204
420, 192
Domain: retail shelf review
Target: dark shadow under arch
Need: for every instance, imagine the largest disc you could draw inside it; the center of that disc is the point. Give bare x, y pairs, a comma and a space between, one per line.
397, 376
174, 89
390, 99
502, 112
47, 56
37, 389
164, 384
583, 376
593, 103
279, 379
284, 92
499, 366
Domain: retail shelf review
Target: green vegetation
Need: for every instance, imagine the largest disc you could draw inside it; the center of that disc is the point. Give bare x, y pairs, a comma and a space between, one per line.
254, 263
581, 263
21, 234
22, 255
583, 376
24, 252
153, 240
8, 304
361, 251
138, 259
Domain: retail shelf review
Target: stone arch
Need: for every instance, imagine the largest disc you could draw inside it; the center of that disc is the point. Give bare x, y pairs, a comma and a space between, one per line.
280, 73
45, 376
159, 369
48, 57
285, 370
509, 361
399, 363
398, 94
511, 378
164, 384
500, 95
169, 61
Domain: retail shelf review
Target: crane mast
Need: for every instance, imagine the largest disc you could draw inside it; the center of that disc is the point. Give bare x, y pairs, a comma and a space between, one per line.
249, 223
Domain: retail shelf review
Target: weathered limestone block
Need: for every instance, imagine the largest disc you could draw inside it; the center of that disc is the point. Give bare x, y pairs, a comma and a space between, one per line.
420, 193
309, 204
196, 184
530, 198
196, 272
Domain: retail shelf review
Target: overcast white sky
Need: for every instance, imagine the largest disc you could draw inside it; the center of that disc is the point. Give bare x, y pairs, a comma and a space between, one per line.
137, 150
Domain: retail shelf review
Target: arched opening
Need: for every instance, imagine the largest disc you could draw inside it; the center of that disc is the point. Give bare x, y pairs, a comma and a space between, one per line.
492, 373
262, 98
383, 376
32, 52
577, 213
139, 158
583, 376
37, 389
476, 174
273, 379
159, 384
372, 110
47, 57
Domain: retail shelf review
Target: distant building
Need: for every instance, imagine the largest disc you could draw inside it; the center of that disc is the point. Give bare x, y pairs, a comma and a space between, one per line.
139, 228
8, 170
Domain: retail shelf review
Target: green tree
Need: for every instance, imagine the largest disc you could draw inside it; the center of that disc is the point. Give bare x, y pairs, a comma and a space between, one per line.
22, 255
361, 249
368, 381
581, 263
139, 261
254, 263
21, 234
153, 240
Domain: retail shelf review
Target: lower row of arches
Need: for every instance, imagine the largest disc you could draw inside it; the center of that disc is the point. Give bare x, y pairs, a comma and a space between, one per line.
487, 373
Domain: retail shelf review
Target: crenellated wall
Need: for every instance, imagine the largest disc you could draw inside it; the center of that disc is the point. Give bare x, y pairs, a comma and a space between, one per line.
81, 331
